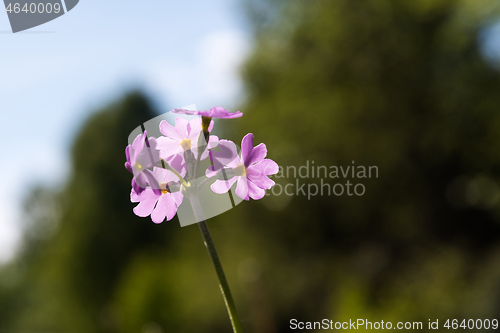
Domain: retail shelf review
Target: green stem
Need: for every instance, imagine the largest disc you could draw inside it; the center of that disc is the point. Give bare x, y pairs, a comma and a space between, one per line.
224, 286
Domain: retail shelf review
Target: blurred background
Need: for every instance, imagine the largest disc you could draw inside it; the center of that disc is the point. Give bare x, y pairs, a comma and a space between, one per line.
412, 87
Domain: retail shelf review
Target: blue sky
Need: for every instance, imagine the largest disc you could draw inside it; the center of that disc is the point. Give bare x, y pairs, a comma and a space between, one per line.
52, 76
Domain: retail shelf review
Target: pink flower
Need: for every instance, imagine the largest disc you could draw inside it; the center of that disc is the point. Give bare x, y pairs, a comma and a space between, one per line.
215, 112
184, 136
141, 156
250, 169
157, 200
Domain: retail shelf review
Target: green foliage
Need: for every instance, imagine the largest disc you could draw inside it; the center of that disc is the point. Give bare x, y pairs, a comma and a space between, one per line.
70, 276
401, 85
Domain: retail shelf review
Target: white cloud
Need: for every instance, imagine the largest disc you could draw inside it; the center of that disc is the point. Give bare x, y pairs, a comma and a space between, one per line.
212, 78
221, 57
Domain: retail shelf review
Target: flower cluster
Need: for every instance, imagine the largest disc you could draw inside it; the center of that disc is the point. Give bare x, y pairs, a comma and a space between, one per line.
167, 169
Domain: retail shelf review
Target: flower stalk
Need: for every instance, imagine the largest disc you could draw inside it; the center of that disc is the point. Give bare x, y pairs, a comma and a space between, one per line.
159, 191
223, 285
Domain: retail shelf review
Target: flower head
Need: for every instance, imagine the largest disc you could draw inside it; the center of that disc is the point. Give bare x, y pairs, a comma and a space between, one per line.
141, 156
184, 136
158, 200
215, 112
250, 169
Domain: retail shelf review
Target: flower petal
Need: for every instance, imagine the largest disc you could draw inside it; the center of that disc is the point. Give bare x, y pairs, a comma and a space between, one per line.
220, 112
195, 127
146, 205
136, 188
184, 111
127, 153
169, 130
171, 206
151, 143
235, 114
254, 191
259, 179
128, 167
137, 146
177, 197
181, 125
148, 157
225, 154
266, 167
259, 152
134, 196
212, 170
177, 163
168, 147
242, 188
165, 208
141, 180
246, 147
223, 186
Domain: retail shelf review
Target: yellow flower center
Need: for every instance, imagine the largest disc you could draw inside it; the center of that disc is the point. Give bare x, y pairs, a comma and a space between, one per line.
138, 166
186, 144
164, 188
240, 170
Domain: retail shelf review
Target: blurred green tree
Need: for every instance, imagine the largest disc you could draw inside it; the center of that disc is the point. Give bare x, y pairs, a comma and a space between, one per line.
79, 243
401, 85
